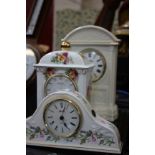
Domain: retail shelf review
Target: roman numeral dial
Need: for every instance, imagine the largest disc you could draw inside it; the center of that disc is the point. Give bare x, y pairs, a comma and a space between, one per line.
62, 117
99, 61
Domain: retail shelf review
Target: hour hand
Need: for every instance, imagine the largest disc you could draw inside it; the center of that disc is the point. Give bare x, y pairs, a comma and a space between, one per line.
66, 126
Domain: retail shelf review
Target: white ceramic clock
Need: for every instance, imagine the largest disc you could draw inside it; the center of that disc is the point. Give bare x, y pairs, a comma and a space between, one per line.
99, 46
63, 70
66, 120
32, 57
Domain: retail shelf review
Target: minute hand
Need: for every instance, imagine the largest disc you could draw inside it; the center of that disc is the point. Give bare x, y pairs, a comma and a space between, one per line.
65, 108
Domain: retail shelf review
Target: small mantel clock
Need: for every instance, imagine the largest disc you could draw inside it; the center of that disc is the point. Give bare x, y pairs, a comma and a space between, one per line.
63, 70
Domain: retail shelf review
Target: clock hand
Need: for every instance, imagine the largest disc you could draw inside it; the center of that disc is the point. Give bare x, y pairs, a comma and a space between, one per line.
66, 126
63, 110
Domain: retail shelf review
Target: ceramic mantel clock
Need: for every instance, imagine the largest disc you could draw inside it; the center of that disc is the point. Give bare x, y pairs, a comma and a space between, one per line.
65, 119
63, 70
100, 47
32, 57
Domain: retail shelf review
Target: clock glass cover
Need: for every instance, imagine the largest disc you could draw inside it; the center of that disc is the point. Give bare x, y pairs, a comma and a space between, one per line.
62, 117
59, 82
99, 61
30, 60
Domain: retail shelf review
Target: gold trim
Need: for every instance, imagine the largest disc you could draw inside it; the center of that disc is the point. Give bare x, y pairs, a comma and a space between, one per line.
65, 45
72, 103
102, 57
59, 75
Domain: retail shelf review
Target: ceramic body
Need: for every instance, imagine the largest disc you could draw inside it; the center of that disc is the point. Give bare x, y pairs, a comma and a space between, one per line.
103, 90
94, 133
66, 65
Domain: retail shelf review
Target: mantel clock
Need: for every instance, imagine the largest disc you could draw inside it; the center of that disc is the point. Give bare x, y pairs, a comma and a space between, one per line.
65, 120
63, 70
99, 46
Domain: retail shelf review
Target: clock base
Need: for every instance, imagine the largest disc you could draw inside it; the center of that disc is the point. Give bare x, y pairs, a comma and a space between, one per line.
74, 147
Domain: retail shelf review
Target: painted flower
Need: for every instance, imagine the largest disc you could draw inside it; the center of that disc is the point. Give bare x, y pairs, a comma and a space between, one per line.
61, 58
93, 137
72, 73
42, 134
50, 71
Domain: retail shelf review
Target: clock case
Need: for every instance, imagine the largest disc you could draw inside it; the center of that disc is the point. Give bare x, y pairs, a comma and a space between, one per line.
94, 134
103, 94
63, 63
38, 56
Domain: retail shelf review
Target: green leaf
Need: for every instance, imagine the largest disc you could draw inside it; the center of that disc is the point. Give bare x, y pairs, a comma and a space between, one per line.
83, 141
32, 136
37, 130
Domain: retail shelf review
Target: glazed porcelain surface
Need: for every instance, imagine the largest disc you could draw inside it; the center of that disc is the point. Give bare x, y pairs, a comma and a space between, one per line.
85, 130
99, 46
63, 70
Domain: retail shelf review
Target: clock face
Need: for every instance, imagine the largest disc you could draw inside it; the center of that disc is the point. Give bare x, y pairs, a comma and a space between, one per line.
31, 59
59, 82
99, 61
62, 117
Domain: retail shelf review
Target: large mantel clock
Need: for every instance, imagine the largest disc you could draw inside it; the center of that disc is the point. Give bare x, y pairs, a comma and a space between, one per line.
65, 120
99, 46
63, 70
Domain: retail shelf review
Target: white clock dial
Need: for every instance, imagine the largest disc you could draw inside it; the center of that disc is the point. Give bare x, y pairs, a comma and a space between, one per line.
62, 117
59, 82
31, 59
98, 59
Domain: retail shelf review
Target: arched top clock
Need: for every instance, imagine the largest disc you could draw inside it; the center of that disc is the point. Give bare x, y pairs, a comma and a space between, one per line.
91, 34
63, 70
98, 45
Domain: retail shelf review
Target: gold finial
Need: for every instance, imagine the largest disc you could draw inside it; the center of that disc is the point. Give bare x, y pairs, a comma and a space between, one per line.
65, 45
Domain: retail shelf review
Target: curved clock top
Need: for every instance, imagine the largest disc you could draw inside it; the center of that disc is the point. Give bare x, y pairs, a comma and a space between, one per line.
93, 33
62, 57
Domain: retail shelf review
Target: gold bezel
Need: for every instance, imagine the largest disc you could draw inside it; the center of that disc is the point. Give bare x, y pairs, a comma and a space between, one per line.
87, 50
79, 114
59, 75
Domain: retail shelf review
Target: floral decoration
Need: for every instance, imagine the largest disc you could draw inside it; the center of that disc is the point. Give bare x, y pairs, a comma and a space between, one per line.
95, 137
49, 72
61, 58
84, 137
38, 133
72, 73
